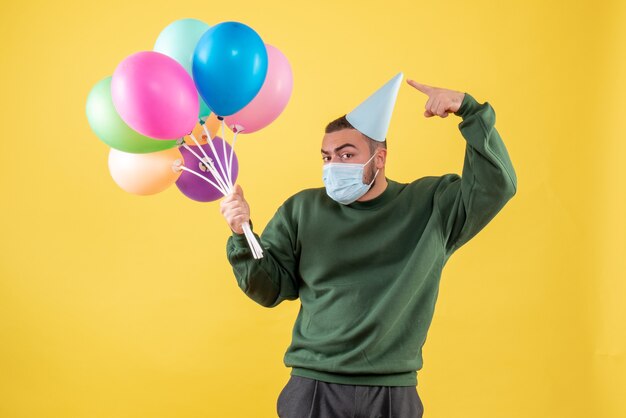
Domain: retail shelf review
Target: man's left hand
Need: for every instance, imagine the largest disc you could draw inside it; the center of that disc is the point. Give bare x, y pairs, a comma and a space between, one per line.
440, 102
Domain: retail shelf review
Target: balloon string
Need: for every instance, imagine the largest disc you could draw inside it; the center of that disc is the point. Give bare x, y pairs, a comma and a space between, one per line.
222, 187
219, 162
191, 135
230, 179
255, 247
182, 167
246, 231
230, 158
223, 123
195, 141
210, 167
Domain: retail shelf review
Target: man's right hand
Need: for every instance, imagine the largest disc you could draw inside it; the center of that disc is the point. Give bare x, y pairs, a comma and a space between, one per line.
235, 209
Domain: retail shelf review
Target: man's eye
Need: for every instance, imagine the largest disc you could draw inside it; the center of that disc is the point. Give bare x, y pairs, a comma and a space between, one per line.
346, 156
325, 159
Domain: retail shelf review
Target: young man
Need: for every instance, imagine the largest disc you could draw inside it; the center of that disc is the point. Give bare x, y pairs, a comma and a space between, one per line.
365, 254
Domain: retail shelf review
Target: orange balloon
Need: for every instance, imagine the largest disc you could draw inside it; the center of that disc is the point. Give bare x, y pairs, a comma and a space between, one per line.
144, 174
198, 133
212, 124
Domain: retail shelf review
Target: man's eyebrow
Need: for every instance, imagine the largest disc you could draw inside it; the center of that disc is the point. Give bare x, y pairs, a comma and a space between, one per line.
339, 148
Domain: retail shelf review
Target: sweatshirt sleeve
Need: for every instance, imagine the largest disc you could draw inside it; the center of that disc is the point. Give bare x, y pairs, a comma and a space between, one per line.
273, 278
467, 203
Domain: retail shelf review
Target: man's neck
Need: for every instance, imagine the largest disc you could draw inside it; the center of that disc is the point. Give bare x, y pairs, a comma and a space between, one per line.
379, 186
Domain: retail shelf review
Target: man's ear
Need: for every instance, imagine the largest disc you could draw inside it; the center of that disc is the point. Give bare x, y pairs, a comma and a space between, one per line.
381, 158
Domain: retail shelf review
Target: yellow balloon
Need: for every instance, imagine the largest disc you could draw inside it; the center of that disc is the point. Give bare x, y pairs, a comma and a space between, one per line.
144, 174
212, 124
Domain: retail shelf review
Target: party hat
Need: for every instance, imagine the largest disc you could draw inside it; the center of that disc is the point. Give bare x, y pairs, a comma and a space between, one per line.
372, 117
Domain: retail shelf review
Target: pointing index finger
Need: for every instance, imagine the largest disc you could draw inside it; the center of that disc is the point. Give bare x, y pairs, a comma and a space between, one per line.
421, 87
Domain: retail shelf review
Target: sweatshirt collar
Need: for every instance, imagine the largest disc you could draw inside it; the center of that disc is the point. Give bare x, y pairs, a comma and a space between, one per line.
387, 195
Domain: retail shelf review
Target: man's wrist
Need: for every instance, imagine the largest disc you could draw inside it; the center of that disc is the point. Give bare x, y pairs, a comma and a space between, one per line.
468, 106
237, 235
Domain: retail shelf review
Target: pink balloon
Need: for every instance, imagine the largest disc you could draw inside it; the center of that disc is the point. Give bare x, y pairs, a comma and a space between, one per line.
271, 100
155, 95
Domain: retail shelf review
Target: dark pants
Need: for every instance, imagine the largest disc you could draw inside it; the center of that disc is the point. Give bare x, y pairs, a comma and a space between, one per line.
308, 398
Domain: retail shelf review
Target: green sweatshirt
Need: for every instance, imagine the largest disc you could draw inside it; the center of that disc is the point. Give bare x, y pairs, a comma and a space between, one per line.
367, 274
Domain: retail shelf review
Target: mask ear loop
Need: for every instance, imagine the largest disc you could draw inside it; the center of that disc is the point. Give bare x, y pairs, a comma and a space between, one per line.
377, 170
374, 179
371, 158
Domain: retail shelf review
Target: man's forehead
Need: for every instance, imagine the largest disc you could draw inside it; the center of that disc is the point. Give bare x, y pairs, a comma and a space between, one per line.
342, 138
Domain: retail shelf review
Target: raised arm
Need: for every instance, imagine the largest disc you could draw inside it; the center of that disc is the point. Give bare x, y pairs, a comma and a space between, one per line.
467, 203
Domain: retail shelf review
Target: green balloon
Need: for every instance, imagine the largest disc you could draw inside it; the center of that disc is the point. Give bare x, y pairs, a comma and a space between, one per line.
112, 130
204, 109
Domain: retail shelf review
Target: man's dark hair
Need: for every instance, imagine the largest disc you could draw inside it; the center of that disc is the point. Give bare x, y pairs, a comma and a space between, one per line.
342, 123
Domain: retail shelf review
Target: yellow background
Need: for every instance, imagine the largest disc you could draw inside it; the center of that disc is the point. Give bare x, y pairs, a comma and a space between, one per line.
114, 305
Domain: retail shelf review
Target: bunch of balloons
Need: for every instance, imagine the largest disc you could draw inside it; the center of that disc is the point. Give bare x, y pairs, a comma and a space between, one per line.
161, 109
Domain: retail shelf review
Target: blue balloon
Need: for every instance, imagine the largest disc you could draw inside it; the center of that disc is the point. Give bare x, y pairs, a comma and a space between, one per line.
229, 67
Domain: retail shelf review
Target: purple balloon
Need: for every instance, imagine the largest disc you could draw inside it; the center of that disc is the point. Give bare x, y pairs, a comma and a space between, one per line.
199, 189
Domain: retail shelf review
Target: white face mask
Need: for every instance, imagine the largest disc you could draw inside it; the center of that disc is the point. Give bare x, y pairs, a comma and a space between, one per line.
344, 182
